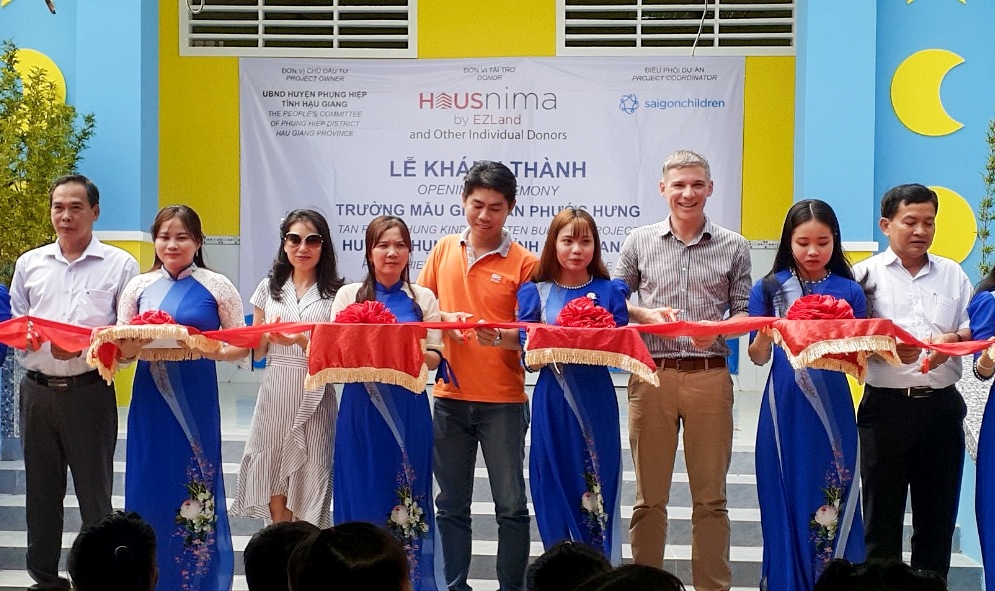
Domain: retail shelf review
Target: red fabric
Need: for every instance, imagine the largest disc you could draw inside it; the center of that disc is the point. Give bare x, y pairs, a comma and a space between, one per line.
624, 341
582, 312
819, 307
368, 312
14, 333
388, 346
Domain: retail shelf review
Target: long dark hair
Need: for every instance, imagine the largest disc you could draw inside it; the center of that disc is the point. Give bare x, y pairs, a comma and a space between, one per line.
578, 220
987, 283
352, 555
376, 229
800, 213
326, 271
190, 220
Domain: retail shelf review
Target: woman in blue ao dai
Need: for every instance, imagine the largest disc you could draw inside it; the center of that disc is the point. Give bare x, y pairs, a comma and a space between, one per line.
173, 474
982, 313
575, 456
806, 452
383, 437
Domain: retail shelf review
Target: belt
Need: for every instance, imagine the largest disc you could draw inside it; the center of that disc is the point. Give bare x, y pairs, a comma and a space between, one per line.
912, 392
63, 384
690, 363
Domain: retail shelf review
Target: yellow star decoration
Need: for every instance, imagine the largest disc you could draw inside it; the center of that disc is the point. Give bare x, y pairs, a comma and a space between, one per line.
910, 1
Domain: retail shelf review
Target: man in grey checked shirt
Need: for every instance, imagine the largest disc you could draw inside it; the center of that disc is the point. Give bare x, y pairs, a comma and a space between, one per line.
689, 265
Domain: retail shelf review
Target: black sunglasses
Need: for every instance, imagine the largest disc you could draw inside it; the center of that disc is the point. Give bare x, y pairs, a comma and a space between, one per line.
295, 239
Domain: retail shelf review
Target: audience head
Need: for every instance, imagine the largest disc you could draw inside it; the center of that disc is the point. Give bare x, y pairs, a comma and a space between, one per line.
354, 555
115, 554
268, 552
842, 575
564, 566
633, 577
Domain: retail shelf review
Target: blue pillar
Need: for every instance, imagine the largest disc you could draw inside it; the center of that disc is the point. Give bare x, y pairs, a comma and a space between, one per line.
834, 110
117, 79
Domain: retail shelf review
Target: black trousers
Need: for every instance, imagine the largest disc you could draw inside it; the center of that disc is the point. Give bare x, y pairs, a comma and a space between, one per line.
911, 447
75, 427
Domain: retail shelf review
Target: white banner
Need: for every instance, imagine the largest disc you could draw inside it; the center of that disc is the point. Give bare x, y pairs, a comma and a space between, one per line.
355, 139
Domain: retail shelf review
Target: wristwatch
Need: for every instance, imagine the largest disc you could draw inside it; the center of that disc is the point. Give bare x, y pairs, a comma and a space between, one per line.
497, 339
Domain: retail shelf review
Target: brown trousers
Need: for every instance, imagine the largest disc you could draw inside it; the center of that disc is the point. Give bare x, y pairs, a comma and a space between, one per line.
701, 401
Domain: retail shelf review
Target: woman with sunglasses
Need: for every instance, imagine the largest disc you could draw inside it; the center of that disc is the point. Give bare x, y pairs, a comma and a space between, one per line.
284, 474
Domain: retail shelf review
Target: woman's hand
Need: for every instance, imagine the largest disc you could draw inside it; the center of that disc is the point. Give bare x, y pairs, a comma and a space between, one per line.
128, 348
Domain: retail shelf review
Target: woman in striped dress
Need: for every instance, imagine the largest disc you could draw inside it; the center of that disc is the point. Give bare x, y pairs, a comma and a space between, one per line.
285, 474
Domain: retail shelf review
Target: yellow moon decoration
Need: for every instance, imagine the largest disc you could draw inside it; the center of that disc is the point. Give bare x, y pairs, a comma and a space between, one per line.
915, 92
956, 226
29, 59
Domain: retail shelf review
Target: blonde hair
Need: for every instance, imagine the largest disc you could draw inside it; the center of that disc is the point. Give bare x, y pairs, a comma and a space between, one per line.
687, 159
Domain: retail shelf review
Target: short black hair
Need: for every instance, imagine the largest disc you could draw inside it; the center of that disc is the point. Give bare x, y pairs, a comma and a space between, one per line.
877, 575
564, 566
268, 552
353, 555
907, 194
487, 174
92, 194
115, 554
634, 577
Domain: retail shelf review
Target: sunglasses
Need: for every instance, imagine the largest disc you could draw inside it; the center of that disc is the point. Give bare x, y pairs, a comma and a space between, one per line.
311, 240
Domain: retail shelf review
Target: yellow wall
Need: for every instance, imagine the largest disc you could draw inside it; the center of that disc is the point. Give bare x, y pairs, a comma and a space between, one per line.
482, 28
198, 108
768, 145
198, 130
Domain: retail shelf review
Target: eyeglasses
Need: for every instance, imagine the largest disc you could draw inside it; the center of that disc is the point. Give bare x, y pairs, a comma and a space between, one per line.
294, 240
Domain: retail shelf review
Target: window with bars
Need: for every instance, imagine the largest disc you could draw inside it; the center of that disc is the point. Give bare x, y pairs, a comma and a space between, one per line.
674, 27
299, 28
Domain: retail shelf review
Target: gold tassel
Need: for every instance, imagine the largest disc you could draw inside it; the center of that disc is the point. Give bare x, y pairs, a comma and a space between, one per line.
814, 355
345, 375
546, 356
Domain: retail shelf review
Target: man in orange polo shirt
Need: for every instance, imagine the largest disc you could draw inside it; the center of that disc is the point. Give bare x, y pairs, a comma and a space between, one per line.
476, 274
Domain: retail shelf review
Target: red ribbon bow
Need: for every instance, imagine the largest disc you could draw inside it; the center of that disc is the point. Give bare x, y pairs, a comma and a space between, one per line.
368, 312
583, 313
819, 307
153, 317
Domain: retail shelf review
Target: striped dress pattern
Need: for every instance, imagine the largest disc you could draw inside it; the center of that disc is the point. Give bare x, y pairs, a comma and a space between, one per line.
289, 449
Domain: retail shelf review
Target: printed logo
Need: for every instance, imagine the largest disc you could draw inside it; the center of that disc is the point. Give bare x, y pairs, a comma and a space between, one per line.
532, 101
495, 278
628, 103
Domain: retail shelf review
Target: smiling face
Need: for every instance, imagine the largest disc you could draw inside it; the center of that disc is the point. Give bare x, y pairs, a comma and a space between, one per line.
389, 256
812, 247
910, 231
486, 210
73, 216
686, 190
302, 244
574, 251
175, 245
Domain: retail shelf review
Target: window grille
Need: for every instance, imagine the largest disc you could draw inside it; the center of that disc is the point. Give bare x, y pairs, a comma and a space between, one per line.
299, 28
670, 27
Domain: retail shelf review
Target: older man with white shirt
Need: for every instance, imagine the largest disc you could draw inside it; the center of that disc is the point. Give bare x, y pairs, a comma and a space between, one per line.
911, 422
68, 413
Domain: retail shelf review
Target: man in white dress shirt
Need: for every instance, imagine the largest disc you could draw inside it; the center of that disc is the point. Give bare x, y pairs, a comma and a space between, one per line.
911, 423
68, 413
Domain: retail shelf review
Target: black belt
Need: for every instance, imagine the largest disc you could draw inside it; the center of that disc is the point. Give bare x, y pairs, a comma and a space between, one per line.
62, 384
690, 363
912, 392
